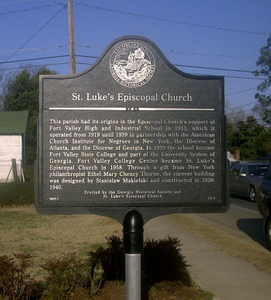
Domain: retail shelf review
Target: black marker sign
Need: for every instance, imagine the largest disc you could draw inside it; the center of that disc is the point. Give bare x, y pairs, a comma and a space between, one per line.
131, 131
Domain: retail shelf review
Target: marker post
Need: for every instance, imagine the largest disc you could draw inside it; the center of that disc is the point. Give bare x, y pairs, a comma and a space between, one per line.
133, 247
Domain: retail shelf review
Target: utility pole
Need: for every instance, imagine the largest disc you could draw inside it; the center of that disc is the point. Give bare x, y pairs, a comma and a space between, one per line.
71, 34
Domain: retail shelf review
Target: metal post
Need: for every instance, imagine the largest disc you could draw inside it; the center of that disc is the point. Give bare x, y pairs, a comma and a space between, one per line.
14, 169
133, 247
132, 276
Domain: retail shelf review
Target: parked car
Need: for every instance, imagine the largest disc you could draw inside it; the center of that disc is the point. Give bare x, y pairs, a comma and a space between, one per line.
264, 203
245, 179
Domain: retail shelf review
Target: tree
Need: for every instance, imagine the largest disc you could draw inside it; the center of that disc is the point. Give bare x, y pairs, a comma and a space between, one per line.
251, 138
234, 114
263, 108
4, 84
21, 93
230, 137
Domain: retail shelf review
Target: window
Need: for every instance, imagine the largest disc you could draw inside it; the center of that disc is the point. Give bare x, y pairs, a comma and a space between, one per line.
235, 171
243, 170
257, 170
268, 173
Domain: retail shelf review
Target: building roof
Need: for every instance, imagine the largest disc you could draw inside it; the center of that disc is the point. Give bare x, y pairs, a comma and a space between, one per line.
13, 122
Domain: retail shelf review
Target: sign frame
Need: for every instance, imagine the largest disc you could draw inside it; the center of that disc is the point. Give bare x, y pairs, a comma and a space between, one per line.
135, 97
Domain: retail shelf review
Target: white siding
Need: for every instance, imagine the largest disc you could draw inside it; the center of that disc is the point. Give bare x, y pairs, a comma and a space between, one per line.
10, 148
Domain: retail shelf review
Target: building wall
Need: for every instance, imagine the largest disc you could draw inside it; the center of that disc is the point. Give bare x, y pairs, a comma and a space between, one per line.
10, 148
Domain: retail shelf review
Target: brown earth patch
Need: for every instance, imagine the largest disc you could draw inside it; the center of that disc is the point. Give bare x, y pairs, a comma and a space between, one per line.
166, 290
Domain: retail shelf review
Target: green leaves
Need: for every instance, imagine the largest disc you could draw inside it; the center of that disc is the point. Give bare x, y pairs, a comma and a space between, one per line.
250, 137
22, 94
264, 97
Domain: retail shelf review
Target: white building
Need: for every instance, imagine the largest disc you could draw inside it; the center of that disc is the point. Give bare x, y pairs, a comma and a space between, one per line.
13, 130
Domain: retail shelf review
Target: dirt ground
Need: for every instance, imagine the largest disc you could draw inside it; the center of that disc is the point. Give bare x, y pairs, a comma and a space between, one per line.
161, 291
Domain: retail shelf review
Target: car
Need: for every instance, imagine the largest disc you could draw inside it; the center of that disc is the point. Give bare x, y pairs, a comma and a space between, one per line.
245, 179
264, 203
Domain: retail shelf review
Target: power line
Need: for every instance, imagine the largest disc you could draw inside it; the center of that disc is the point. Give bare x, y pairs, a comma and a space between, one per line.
193, 11
202, 67
241, 92
48, 57
236, 73
241, 106
176, 65
170, 21
118, 1
238, 112
33, 35
244, 3
213, 68
29, 9
32, 59
170, 52
213, 55
16, 2
46, 65
34, 50
227, 76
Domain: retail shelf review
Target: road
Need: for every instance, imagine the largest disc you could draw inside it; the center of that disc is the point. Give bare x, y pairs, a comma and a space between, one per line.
242, 220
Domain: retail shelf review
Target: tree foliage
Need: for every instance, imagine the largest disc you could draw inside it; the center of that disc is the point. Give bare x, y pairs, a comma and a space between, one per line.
252, 139
234, 114
263, 108
21, 93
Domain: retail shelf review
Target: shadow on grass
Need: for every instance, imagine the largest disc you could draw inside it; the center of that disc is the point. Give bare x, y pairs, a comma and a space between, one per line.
254, 229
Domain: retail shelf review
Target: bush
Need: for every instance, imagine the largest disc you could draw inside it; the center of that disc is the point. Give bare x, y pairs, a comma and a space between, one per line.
110, 259
16, 193
30, 173
161, 260
67, 277
15, 282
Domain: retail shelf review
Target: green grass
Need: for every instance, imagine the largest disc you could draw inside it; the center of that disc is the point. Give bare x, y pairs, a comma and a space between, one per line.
49, 236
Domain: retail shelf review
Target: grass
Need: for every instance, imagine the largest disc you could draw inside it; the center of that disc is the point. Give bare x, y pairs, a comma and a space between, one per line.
50, 236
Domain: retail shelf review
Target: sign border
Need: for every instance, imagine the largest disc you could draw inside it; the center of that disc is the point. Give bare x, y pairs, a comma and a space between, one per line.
118, 211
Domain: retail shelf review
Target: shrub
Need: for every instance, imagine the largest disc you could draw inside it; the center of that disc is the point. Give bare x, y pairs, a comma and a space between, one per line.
67, 276
162, 261
15, 282
16, 193
110, 259
30, 173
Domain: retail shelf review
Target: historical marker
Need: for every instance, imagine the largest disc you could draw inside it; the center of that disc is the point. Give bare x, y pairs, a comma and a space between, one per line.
131, 131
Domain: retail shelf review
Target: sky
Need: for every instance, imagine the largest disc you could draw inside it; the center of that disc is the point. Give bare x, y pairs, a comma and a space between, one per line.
202, 37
